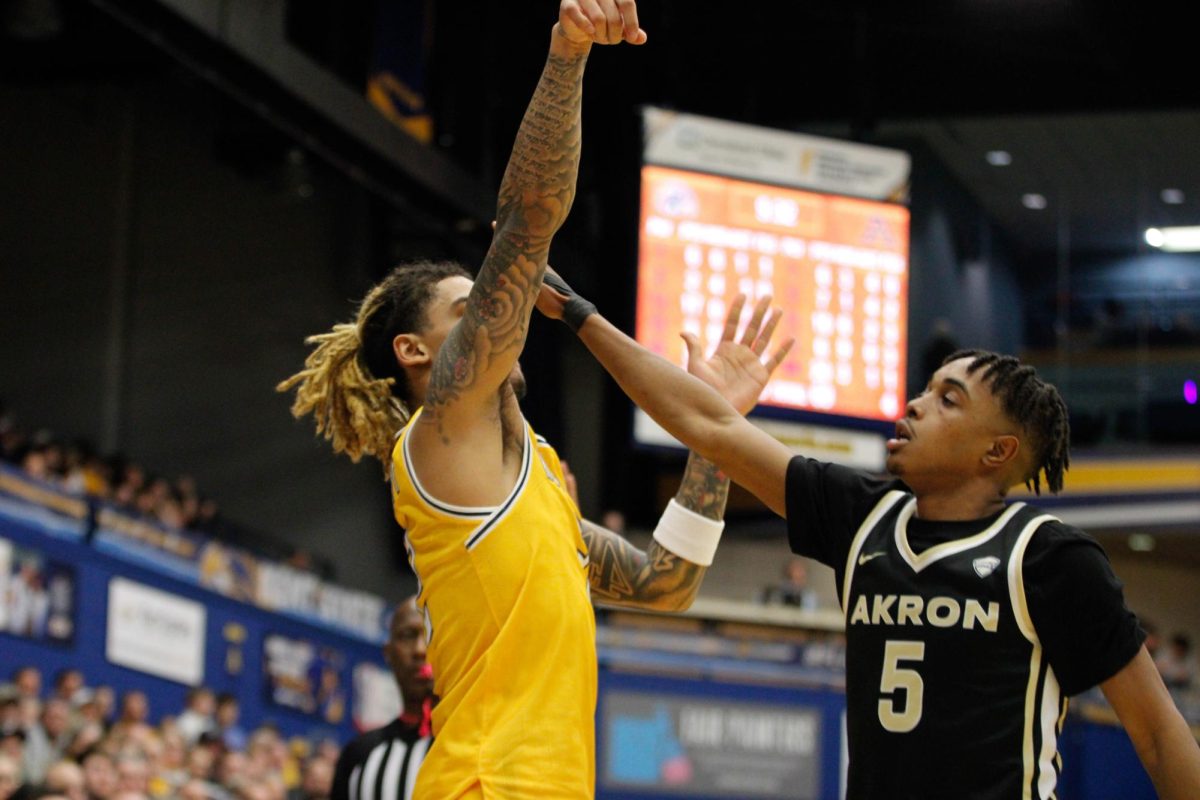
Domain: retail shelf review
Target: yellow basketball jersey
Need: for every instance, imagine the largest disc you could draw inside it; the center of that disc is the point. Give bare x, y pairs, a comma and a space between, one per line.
512, 634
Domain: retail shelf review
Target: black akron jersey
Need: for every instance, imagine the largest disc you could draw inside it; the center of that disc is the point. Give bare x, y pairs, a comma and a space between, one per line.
939, 643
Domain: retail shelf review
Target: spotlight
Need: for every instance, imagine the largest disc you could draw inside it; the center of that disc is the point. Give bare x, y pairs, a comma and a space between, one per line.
1033, 201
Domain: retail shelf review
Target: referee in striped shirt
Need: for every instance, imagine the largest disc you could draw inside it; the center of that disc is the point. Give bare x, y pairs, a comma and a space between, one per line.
382, 764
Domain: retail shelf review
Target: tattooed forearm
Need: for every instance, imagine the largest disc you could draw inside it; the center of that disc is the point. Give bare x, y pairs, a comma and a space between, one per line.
620, 574
704, 488
535, 196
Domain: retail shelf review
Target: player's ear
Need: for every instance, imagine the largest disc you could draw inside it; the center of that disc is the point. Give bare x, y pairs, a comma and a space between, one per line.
410, 350
1004, 450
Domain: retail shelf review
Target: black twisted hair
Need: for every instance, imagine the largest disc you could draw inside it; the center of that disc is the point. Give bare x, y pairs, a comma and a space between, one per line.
1034, 405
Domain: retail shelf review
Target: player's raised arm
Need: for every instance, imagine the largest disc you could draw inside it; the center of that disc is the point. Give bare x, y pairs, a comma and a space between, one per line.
668, 574
686, 406
535, 195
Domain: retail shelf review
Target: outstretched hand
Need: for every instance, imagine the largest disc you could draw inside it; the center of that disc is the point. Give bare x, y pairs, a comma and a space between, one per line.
736, 368
585, 22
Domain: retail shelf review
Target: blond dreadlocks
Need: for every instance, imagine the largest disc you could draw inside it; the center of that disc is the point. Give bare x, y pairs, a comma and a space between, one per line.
351, 383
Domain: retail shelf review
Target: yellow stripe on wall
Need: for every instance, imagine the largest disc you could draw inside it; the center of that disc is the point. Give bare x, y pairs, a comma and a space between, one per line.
1129, 476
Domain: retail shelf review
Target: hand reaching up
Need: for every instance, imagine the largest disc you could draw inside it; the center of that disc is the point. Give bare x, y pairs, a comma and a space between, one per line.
736, 368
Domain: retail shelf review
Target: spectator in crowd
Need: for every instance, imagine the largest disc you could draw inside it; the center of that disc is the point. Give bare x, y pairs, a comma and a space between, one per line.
612, 519
68, 683
199, 763
133, 773
47, 739
228, 712
194, 790
88, 735
105, 699
316, 780
10, 709
27, 681
10, 776
135, 709
1176, 662
99, 774
793, 590
65, 778
12, 745
197, 717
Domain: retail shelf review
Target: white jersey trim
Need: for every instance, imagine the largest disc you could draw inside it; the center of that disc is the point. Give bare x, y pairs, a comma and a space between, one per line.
945, 549
489, 524
864, 530
450, 509
1037, 765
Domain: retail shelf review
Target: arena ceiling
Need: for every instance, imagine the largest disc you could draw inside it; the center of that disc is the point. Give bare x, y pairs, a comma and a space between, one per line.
1093, 101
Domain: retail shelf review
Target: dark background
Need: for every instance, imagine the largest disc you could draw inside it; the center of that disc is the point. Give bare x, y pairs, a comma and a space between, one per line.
187, 197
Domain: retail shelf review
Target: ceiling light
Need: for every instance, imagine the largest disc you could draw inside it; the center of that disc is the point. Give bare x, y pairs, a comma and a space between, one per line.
1185, 239
1172, 197
998, 158
1189, 393
1141, 542
1034, 201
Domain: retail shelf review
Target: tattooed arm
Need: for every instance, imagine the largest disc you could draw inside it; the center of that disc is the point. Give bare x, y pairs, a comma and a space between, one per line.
660, 579
535, 195
621, 574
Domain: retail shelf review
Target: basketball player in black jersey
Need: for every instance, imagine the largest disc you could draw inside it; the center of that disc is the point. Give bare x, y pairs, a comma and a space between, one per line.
969, 620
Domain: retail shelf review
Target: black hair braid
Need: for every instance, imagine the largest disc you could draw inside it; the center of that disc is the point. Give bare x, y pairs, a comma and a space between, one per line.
1032, 403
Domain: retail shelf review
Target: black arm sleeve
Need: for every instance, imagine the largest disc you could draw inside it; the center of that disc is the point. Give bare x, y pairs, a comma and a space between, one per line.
825, 505
1078, 608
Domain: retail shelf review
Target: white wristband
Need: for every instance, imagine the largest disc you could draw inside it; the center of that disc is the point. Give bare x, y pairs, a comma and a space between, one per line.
688, 534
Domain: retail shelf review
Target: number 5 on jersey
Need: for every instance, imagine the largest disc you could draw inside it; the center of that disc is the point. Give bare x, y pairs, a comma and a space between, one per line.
895, 678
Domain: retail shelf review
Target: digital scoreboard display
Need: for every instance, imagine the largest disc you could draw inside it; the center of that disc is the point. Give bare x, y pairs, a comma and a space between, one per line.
836, 266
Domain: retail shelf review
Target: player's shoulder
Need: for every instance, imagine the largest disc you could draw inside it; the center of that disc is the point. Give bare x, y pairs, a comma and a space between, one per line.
1057, 543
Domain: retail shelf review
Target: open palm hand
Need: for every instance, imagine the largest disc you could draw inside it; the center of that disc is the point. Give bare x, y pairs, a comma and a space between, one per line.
736, 368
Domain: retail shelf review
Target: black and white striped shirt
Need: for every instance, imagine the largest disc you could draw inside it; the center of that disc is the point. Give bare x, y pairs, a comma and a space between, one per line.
381, 764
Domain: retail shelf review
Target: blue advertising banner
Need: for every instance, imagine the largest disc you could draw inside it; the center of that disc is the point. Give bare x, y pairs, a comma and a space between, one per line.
689, 745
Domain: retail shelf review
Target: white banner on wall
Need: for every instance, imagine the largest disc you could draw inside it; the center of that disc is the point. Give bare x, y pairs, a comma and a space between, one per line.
687, 141
155, 632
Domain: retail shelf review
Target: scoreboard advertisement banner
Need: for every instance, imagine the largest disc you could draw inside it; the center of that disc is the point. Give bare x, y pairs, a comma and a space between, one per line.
837, 266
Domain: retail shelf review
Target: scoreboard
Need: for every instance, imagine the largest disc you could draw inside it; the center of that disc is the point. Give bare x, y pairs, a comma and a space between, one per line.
837, 267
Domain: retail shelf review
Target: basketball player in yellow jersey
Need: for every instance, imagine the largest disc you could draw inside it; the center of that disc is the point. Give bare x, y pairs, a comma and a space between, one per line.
504, 562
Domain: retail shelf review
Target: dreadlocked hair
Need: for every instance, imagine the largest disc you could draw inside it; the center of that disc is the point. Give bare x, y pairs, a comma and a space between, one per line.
1034, 405
351, 383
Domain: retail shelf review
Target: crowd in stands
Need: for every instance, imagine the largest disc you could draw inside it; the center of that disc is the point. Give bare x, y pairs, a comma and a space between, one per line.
76, 466
75, 742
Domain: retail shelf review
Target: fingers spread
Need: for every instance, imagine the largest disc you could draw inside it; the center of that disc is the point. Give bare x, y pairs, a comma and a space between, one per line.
732, 318
764, 336
756, 319
775, 360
